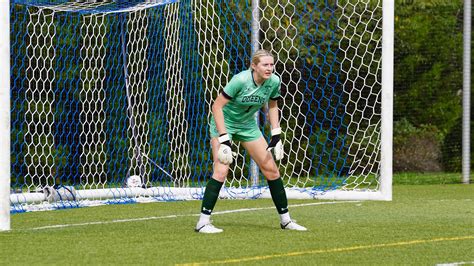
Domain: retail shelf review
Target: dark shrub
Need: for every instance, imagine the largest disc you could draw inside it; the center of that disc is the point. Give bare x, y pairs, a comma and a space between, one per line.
416, 149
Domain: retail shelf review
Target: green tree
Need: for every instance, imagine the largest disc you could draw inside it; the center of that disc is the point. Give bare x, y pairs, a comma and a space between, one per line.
428, 62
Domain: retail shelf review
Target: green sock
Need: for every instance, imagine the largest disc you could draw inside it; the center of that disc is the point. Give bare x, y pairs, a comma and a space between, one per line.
278, 195
210, 196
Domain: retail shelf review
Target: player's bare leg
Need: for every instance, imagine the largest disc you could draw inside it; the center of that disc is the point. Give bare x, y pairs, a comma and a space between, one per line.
213, 187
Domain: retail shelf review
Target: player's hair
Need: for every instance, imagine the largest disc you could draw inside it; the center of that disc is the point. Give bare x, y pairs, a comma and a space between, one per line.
259, 54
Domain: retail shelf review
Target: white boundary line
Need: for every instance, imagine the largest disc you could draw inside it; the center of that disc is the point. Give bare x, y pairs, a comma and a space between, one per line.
173, 216
456, 263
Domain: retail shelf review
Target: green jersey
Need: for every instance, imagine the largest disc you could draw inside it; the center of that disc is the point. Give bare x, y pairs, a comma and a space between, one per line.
246, 98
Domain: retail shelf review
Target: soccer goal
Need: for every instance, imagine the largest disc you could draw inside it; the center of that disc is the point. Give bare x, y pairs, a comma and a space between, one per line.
110, 100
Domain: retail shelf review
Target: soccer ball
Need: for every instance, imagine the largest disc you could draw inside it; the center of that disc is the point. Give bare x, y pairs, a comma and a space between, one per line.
134, 181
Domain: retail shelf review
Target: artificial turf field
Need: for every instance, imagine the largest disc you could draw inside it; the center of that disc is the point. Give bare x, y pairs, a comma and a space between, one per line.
423, 225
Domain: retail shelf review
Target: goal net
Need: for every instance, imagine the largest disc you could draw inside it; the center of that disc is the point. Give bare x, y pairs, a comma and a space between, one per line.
110, 100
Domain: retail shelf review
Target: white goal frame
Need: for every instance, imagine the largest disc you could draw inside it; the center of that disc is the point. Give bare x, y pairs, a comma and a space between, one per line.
385, 188
5, 115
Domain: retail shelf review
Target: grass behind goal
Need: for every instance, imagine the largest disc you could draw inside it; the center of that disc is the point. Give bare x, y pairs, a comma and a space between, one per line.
424, 224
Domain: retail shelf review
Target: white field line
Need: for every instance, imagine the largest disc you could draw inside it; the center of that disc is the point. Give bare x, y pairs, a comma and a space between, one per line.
456, 263
175, 216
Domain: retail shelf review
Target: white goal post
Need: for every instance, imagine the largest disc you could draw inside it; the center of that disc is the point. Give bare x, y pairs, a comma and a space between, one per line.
4, 116
387, 99
111, 99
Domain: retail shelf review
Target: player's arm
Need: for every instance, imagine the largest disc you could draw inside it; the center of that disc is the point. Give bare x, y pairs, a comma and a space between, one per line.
273, 113
218, 114
225, 154
275, 143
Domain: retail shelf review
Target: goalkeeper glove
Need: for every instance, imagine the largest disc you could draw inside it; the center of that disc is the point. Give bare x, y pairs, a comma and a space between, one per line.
225, 151
276, 145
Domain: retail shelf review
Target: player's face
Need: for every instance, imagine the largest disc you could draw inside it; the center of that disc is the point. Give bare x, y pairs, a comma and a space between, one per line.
264, 69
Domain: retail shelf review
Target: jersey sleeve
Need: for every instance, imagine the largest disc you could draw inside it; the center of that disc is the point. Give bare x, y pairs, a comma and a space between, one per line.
276, 92
232, 88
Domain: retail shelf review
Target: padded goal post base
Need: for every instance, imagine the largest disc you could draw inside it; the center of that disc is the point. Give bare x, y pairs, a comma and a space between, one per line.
167, 193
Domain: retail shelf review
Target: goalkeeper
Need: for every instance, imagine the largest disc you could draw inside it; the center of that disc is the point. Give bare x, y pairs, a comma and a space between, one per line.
234, 120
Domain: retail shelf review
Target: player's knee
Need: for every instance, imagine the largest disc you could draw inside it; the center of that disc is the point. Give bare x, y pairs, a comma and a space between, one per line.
271, 172
220, 171
273, 175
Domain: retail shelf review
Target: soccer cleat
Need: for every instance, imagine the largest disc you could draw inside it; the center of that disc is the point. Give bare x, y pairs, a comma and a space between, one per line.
292, 225
208, 229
